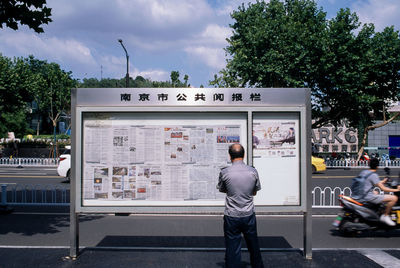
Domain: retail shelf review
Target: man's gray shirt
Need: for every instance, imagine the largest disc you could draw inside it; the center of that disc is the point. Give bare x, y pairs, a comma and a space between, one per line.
239, 182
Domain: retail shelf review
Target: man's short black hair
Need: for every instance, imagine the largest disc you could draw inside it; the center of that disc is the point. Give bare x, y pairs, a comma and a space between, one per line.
374, 163
236, 150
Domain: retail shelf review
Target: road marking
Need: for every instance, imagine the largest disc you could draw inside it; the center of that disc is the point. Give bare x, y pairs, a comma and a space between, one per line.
45, 247
377, 255
30, 176
43, 213
170, 215
382, 258
332, 177
343, 177
23, 174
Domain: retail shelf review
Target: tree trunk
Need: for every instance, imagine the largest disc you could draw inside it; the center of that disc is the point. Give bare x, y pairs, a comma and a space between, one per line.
367, 129
38, 126
362, 145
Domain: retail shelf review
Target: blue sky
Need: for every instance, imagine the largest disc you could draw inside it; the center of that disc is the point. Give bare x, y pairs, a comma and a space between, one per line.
160, 35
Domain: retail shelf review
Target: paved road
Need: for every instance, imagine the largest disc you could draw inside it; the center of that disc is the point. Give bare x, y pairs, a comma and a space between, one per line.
30, 175
32, 234
52, 229
47, 178
42, 240
342, 177
48, 175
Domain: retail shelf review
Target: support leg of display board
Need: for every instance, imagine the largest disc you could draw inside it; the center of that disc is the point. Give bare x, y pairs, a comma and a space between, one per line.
74, 235
307, 221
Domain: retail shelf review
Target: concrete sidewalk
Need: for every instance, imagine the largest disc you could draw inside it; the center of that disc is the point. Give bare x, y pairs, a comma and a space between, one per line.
37, 239
108, 257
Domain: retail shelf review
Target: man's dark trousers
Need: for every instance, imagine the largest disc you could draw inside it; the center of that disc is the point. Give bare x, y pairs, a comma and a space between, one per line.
233, 228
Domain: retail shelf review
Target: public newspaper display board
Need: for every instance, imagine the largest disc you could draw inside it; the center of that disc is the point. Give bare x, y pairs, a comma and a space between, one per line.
161, 150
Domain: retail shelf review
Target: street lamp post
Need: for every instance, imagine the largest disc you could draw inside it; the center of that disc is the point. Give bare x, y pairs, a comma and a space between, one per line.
127, 63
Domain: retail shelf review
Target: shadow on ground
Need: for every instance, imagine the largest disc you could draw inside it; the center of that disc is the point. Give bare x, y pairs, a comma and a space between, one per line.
37, 224
203, 242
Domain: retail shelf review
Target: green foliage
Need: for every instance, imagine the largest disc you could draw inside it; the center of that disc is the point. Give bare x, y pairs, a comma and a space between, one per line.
32, 13
23, 80
13, 121
51, 137
52, 90
274, 44
43, 141
15, 88
350, 69
138, 82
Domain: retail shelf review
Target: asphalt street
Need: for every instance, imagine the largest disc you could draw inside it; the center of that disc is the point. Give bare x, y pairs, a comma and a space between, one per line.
40, 236
181, 241
37, 175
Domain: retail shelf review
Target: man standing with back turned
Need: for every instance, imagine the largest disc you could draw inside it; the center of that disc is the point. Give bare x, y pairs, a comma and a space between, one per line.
240, 182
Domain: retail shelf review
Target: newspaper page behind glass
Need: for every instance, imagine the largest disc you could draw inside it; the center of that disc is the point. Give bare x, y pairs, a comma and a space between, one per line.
130, 162
276, 153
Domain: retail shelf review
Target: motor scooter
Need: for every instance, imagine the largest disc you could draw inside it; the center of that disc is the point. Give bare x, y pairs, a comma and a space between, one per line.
357, 217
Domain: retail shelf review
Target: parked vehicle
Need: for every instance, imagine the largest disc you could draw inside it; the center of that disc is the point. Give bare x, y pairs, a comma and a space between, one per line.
64, 166
356, 217
318, 164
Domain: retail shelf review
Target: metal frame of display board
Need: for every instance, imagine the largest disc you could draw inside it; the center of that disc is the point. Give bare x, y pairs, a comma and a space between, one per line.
250, 102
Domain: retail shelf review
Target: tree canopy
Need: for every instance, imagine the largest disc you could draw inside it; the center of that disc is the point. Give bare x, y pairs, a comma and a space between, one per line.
30, 87
27, 80
352, 70
138, 82
33, 13
53, 91
15, 88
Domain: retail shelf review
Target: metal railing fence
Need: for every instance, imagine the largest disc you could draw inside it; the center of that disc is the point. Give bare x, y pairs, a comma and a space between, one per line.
51, 162
359, 164
34, 195
329, 163
55, 195
328, 197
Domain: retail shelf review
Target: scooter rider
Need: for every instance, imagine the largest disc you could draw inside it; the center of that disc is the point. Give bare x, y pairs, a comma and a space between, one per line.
371, 196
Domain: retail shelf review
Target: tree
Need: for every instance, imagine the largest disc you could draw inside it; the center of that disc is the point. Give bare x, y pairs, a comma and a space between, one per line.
32, 13
175, 78
15, 85
53, 96
274, 45
138, 82
50, 88
382, 69
292, 44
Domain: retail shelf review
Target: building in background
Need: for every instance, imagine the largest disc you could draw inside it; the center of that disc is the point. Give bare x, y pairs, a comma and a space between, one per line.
386, 139
331, 139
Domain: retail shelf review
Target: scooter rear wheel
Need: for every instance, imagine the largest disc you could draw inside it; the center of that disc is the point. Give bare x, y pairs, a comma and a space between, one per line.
345, 228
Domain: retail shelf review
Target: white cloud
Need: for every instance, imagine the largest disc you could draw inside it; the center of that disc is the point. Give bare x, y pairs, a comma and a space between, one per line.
68, 50
207, 47
381, 13
152, 74
213, 57
162, 13
216, 34
227, 6
158, 34
113, 66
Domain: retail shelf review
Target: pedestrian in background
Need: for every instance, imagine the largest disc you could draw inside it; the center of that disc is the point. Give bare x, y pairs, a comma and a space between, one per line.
240, 182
